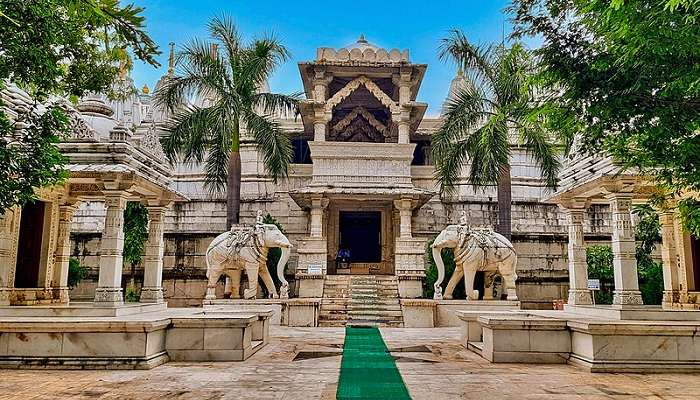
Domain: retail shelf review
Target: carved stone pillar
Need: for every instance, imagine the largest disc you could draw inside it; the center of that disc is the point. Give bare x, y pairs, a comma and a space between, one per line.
405, 208
9, 235
669, 257
318, 205
62, 254
624, 251
109, 286
152, 289
576, 250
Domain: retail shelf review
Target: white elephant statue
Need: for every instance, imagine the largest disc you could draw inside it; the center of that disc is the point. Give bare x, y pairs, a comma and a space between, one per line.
475, 250
246, 248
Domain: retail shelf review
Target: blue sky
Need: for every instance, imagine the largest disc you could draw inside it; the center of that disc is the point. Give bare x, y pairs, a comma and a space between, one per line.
304, 25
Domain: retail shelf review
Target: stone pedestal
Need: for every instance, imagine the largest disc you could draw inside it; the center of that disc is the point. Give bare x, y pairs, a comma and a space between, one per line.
624, 252
109, 290
152, 290
311, 285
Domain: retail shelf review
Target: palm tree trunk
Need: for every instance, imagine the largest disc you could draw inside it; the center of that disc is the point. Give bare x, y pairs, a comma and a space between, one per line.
504, 203
233, 182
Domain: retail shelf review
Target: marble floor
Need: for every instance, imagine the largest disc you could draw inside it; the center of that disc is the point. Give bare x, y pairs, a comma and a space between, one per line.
303, 363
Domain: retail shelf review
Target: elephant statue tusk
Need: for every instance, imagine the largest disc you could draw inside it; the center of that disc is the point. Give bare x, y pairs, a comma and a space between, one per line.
284, 285
437, 256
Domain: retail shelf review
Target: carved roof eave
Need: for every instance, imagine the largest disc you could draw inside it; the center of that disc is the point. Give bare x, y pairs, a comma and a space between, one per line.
93, 160
595, 189
303, 196
371, 70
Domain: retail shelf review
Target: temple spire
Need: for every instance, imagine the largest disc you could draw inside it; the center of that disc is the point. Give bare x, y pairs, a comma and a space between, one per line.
171, 59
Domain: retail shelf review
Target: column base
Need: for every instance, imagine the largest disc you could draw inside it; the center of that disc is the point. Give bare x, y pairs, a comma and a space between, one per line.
410, 287
60, 294
5, 297
580, 297
109, 297
627, 297
311, 285
151, 295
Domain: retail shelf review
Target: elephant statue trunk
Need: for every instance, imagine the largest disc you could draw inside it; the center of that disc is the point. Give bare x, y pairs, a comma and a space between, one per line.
284, 285
437, 256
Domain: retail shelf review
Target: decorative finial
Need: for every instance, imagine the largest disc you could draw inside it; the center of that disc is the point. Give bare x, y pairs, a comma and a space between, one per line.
460, 72
362, 38
259, 218
214, 50
171, 58
145, 89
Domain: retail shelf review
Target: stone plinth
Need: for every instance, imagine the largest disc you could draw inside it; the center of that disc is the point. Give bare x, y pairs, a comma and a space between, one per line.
471, 328
418, 313
636, 313
640, 346
525, 339
56, 343
286, 312
217, 336
447, 309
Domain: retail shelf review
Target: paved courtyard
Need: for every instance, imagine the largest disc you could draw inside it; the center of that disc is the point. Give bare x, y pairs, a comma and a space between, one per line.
303, 363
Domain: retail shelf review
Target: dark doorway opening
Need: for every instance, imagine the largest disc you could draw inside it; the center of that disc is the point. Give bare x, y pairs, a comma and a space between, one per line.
695, 250
31, 232
361, 234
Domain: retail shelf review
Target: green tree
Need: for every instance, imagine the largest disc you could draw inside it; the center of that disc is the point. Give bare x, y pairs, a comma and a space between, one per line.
135, 236
625, 81
599, 260
498, 98
64, 48
229, 83
648, 235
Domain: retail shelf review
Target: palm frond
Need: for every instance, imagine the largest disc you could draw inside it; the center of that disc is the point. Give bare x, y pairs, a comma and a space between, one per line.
476, 61
491, 153
218, 153
189, 131
275, 103
272, 142
223, 30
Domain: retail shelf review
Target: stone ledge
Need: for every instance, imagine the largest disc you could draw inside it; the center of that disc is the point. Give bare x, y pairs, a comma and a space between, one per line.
94, 363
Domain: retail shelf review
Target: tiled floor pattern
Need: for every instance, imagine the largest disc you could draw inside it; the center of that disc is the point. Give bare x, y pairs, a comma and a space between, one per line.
303, 364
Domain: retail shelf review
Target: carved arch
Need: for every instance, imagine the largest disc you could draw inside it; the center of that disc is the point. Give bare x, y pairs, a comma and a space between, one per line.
360, 111
372, 87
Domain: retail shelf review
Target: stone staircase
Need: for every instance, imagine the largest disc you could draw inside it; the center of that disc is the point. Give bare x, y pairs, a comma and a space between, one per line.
360, 300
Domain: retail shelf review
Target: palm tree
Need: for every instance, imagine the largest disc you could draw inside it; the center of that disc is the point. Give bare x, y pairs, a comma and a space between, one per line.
227, 83
497, 98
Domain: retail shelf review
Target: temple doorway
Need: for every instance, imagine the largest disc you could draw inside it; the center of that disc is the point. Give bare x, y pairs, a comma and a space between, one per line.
695, 252
360, 241
31, 232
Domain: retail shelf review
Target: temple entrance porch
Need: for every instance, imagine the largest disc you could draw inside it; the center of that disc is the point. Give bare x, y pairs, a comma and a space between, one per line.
360, 239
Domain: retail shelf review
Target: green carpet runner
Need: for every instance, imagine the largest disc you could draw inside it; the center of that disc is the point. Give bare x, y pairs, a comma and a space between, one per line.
367, 370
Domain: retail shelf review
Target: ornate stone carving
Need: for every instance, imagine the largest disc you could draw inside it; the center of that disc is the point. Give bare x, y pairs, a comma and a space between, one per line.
627, 297
151, 142
151, 295
109, 296
370, 86
79, 129
341, 125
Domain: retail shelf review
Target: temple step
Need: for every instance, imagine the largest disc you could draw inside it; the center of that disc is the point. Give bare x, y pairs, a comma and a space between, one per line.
361, 300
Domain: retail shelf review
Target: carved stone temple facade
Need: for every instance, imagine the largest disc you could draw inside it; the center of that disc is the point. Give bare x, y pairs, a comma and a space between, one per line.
360, 198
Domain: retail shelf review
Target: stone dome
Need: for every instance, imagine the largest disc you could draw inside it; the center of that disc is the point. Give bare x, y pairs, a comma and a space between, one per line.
361, 44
